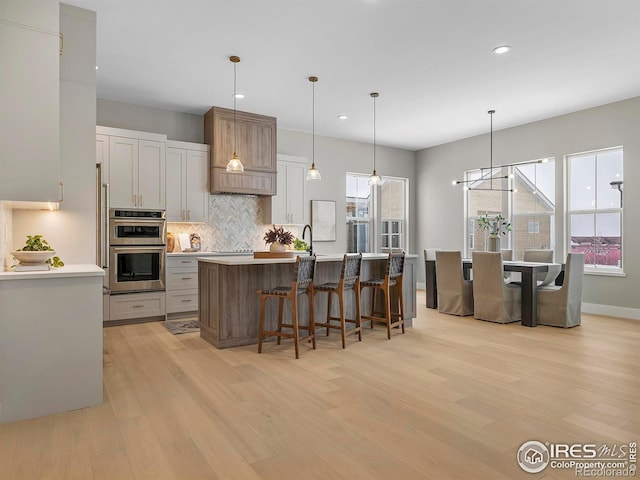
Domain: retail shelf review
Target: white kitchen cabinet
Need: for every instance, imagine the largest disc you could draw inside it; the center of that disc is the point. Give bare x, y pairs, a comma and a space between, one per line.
182, 284
187, 192
288, 205
136, 305
30, 99
136, 169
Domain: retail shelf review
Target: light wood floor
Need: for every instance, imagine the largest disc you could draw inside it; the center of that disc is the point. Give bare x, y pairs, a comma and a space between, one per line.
453, 398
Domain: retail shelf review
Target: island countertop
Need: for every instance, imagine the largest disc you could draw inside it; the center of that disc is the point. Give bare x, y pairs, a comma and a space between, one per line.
321, 258
229, 309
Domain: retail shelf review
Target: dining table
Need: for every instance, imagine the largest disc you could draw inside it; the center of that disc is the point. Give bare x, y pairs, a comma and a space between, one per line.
529, 285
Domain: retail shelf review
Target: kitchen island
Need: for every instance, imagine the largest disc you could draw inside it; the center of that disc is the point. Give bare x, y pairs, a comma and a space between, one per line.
229, 309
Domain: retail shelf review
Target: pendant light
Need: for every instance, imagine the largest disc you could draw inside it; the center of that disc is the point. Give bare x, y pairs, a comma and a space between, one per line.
491, 178
234, 165
313, 173
374, 179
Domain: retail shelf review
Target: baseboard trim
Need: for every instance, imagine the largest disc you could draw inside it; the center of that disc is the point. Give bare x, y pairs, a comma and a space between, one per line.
611, 311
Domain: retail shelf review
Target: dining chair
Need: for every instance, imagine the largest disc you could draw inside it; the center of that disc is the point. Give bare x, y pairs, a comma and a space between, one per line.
393, 278
542, 256
561, 306
349, 281
455, 294
301, 284
493, 299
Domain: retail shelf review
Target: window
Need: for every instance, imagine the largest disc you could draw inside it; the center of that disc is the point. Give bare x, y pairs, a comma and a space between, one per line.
594, 208
376, 216
530, 207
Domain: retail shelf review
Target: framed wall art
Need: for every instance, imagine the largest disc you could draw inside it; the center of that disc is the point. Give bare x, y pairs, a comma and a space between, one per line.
323, 220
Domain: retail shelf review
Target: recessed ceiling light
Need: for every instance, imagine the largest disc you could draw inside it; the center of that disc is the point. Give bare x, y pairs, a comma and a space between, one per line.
97, 67
501, 49
342, 116
239, 95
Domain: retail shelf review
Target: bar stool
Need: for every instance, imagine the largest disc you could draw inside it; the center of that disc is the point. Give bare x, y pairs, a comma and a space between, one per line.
392, 277
302, 284
349, 280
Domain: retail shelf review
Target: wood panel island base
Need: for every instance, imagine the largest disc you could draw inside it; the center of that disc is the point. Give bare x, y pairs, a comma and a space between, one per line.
229, 309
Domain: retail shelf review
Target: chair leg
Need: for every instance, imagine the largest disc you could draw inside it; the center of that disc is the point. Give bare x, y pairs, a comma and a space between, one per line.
343, 329
263, 301
328, 321
358, 318
280, 310
312, 321
401, 305
294, 315
373, 303
387, 312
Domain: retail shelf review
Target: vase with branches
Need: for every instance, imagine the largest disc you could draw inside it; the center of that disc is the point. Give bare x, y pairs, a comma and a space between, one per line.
278, 238
495, 225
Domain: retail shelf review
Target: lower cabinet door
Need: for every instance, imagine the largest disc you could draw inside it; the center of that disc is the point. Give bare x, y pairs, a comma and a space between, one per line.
182, 301
136, 305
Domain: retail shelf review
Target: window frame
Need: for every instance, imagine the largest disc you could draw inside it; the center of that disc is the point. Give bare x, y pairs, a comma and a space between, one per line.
593, 269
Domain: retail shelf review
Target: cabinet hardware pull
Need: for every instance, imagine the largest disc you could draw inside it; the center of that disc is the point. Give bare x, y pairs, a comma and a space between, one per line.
188, 214
61, 43
141, 202
185, 300
184, 215
138, 306
135, 200
186, 278
61, 184
186, 261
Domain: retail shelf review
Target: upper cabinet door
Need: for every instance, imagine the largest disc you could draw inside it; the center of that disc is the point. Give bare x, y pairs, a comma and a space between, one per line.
30, 120
151, 171
176, 163
123, 172
37, 14
196, 186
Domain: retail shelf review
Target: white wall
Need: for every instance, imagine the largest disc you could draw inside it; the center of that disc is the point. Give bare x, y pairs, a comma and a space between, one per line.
440, 222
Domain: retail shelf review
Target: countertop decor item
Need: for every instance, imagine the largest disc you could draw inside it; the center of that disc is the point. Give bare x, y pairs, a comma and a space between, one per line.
278, 238
36, 254
496, 225
171, 242
196, 242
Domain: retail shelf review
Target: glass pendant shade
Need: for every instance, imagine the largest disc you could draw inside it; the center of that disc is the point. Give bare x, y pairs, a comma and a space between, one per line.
375, 179
313, 173
235, 165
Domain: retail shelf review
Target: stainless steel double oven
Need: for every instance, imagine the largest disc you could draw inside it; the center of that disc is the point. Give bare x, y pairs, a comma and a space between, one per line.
137, 247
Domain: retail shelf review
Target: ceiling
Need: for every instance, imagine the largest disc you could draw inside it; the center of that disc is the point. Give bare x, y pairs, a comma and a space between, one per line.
430, 60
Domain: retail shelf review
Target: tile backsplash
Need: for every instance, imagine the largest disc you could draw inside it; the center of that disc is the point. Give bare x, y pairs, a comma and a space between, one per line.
235, 222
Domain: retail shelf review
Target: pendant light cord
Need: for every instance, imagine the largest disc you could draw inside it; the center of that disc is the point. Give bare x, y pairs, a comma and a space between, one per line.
491, 112
313, 123
374, 132
235, 126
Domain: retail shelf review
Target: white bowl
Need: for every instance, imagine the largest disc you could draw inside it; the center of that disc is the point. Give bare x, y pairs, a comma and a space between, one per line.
33, 257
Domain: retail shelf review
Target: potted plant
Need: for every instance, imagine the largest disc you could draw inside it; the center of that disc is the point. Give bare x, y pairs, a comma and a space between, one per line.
37, 251
278, 238
496, 225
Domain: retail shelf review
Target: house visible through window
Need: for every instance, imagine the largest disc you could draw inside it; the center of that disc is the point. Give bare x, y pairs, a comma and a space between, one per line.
376, 216
594, 224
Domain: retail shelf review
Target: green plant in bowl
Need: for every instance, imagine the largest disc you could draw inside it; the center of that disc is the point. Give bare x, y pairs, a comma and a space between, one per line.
35, 243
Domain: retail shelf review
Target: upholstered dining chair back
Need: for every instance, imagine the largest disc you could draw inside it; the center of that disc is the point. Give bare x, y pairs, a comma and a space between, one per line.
562, 306
541, 256
493, 299
455, 294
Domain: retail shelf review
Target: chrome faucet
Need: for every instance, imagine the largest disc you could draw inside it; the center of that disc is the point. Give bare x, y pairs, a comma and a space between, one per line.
304, 230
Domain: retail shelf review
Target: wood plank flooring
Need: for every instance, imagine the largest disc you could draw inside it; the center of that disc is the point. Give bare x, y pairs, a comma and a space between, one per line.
453, 398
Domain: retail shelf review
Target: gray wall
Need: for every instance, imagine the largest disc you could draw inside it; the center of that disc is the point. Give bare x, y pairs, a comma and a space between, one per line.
440, 223
175, 125
334, 158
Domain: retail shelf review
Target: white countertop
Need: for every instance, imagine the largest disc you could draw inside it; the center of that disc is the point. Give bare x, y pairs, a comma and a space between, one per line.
206, 254
249, 260
77, 270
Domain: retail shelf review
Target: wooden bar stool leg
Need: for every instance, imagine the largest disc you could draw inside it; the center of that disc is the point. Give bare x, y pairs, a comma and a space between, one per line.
263, 301
280, 310
358, 318
373, 303
328, 312
312, 321
343, 329
387, 307
294, 315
